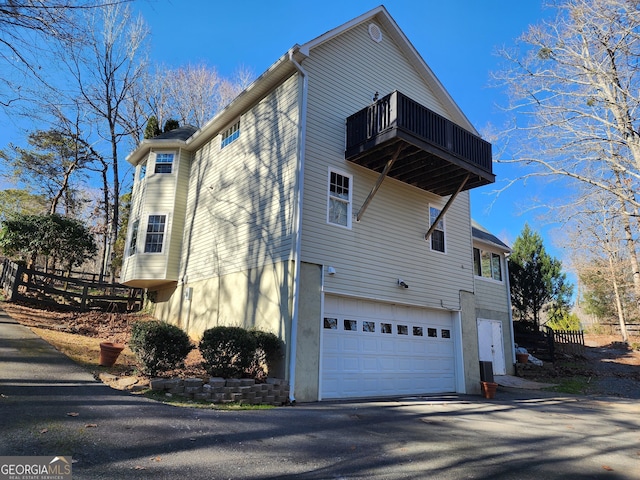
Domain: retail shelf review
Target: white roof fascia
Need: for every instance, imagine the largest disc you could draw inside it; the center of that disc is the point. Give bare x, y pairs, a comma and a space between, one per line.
148, 144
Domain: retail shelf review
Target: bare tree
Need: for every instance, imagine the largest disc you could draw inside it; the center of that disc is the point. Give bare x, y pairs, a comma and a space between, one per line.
574, 88
106, 74
191, 94
599, 222
26, 31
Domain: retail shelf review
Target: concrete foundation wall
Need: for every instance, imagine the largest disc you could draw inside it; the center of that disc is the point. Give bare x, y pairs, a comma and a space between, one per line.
308, 347
470, 343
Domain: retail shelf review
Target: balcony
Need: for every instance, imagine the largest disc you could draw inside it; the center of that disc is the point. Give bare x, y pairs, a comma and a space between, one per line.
431, 152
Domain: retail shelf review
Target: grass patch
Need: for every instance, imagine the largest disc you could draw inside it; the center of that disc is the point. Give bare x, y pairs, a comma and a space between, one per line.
184, 402
577, 385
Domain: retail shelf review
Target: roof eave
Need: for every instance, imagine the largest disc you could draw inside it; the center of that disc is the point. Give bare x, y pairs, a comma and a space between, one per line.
489, 243
146, 145
271, 78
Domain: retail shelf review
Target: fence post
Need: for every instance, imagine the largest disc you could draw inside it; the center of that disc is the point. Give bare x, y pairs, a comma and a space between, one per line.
551, 342
85, 291
17, 281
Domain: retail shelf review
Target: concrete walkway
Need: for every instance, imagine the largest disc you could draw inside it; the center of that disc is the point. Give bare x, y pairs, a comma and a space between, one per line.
511, 381
50, 406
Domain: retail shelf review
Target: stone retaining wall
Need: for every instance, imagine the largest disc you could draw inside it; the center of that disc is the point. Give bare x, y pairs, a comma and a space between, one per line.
219, 390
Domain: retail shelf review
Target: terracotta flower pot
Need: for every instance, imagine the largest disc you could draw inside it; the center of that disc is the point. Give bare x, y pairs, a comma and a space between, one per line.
522, 357
109, 353
489, 389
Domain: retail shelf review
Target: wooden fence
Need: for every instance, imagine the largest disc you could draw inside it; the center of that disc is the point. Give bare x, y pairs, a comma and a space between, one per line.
22, 284
568, 341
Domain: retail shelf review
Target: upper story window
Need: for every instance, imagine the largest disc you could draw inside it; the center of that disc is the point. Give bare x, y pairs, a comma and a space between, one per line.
437, 238
164, 163
487, 264
155, 234
339, 199
133, 242
231, 134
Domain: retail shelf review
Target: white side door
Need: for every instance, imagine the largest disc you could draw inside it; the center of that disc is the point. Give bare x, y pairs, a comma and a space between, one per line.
491, 344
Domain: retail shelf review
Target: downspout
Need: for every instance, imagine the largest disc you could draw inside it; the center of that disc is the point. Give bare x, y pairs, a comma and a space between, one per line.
297, 219
513, 337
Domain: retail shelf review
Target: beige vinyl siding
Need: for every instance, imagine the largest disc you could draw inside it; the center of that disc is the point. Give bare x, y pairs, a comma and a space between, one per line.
389, 241
159, 194
240, 205
490, 294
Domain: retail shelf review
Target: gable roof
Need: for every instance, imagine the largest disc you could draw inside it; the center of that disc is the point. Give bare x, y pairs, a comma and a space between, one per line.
284, 67
478, 232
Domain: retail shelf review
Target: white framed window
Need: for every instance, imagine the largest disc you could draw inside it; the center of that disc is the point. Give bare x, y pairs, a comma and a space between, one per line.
230, 135
154, 238
339, 199
487, 264
164, 163
142, 171
133, 241
437, 238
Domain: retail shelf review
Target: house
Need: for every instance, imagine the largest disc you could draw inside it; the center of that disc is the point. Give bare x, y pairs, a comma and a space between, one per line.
328, 204
493, 300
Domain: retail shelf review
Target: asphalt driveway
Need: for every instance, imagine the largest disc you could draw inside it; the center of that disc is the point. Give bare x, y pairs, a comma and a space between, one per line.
50, 406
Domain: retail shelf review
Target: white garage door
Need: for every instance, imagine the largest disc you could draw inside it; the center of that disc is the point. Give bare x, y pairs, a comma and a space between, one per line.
375, 349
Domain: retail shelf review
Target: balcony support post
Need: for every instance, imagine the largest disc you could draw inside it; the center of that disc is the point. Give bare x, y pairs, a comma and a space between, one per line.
375, 188
446, 207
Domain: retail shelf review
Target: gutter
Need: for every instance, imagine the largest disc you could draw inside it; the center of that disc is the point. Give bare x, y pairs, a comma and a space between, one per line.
297, 218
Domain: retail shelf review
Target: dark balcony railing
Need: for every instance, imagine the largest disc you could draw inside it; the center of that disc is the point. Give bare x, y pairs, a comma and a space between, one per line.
434, 147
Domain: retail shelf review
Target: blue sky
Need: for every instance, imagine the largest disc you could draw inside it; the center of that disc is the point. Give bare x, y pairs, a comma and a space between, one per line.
457, 38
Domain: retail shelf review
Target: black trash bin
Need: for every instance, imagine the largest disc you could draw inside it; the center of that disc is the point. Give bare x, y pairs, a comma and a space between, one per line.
486, 372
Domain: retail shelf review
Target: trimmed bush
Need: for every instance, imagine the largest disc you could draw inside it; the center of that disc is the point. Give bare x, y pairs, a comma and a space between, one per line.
268, 349
159, 346
227, 351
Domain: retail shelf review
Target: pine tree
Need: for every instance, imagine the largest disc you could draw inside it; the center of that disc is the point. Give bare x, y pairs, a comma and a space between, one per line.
152, 129
536, 279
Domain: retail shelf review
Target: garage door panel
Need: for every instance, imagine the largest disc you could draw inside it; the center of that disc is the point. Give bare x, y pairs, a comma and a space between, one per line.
369, 345
375, 349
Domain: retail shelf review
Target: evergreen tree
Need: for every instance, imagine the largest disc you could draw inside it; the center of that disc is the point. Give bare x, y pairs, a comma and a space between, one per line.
171, 124
152, 129
537, 280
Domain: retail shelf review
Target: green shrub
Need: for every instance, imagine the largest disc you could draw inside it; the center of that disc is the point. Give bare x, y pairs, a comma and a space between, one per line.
159, 346
227, 351
268, 349
566, 322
